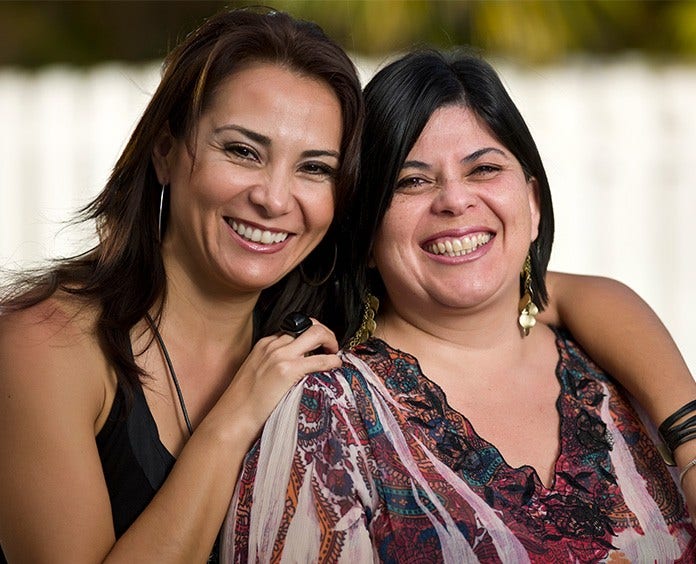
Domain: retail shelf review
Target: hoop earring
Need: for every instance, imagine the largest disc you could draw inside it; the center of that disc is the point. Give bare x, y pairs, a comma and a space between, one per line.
527, 308
163, 211
318, 282
369, 324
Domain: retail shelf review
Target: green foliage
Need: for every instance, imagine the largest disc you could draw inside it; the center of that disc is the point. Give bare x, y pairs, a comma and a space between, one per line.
35, 33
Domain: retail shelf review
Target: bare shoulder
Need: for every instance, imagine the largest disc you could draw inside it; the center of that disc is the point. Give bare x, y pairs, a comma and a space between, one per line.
61, 316
54, 383
53, 346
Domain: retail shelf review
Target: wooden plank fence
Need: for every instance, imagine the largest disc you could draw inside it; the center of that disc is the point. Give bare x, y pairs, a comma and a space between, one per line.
618, 140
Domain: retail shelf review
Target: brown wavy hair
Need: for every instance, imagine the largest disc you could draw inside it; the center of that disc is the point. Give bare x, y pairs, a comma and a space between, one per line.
124, 273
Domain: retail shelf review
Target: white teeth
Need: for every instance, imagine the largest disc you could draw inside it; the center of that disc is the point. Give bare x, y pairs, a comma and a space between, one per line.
255, 235
459, 247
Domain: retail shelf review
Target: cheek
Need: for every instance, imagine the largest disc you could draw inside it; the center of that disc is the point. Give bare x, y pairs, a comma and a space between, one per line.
398, 232
201, 189
401, 218
525, 218
386, 251
385, 237
321, 211
218, 183
514, 209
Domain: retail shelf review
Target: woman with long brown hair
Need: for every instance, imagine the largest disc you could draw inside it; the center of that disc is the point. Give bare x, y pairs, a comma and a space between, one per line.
209, 236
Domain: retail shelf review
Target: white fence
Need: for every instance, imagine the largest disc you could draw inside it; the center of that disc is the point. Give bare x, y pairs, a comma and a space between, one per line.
617, 139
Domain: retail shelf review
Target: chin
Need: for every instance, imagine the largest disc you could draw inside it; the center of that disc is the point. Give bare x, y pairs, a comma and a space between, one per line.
462, 301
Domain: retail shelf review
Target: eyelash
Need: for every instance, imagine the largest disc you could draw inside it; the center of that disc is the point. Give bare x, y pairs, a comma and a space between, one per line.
247, 153
410, 182
417, 181
319, 169
237, 149
485, 169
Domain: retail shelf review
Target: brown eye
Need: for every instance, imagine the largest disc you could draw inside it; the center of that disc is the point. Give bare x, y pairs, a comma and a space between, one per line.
241, 151
318, 169
485, 170
410, 182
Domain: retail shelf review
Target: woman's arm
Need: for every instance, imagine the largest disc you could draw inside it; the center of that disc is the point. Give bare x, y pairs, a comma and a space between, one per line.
625, 336
55, 504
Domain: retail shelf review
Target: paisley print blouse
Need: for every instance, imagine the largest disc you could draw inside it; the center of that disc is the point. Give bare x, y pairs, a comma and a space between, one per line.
369, 463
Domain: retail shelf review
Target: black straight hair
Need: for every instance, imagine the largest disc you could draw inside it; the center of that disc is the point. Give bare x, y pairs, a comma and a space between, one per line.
399, 101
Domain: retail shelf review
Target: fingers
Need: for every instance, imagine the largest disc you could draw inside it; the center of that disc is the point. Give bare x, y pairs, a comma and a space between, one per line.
312, 351
275, 364
290, 358
318, 363
318, 336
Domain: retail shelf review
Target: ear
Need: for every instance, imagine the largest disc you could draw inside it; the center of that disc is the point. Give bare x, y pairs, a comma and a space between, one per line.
161, 153
534, 207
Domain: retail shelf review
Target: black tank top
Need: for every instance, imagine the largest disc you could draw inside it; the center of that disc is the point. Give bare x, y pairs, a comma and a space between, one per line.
134, 460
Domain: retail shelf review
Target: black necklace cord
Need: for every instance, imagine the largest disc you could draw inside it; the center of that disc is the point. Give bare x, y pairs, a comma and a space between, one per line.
170, 366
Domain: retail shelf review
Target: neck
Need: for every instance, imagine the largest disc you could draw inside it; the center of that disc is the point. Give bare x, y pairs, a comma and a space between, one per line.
488, 338
218, 326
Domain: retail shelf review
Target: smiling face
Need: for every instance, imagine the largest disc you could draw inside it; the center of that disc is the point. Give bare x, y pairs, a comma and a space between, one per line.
461, 220
259, 194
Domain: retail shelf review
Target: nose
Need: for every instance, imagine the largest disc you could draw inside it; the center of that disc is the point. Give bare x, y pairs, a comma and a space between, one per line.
453, 197
272, 194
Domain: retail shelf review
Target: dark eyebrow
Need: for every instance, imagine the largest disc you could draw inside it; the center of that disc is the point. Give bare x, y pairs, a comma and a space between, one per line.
253, 135
266, 141
320, 153
415, 164
469, 158
477, 154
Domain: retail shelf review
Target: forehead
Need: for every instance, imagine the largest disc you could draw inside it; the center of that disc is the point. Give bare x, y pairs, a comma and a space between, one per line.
275, 100
263, 77
454, 126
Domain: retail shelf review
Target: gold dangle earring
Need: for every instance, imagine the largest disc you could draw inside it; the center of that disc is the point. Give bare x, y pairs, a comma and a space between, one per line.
368, 324
527, 308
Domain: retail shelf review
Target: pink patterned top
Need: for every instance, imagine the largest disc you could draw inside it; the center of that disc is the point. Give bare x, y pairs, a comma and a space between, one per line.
369, 463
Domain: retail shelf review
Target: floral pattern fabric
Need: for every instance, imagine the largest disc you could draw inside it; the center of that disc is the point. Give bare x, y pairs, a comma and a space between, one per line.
370, 463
